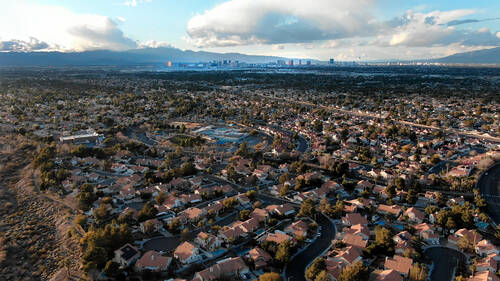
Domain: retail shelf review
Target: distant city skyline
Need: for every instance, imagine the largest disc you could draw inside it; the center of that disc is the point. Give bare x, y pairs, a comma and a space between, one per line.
316, 29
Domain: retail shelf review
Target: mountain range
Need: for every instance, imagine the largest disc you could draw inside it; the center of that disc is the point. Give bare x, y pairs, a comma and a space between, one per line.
152, 56
146, 56
487, 56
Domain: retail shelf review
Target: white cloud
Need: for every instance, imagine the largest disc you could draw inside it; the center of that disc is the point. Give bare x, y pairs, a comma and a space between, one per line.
331, 44
278, 22
154, 44
243, 22
60, 28
432, 29
134, 3
23, 46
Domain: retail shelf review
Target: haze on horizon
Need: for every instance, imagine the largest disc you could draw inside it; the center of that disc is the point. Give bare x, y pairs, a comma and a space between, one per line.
317, 29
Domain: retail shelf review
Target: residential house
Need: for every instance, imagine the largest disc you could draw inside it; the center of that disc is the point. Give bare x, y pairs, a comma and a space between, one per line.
484, 276
360, 230
286, 209
231, 268
208, 241
259, 214
394, 210
400, 264
278, 237
126, 255
260, 257
187, 253
386, 275
155, 223
355, 241
297, 229
414, 215
193, 213
353, 219
348, 256
153, 261
485, 248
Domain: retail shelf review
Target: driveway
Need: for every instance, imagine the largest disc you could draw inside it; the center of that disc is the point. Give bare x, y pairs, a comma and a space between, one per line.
162, 243
444, 261
295, 269
489, 186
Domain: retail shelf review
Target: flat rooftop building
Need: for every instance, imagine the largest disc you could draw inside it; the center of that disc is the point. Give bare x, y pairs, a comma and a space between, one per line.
79, 139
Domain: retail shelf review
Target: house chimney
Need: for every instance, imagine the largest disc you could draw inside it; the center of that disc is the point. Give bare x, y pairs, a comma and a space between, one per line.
152, 257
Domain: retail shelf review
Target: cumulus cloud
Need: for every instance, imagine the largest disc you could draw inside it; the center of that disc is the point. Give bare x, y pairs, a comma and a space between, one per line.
465, 21
432, 29
243, 22
278, 22
32, 44
134, 3
154, 44
60, 29
105, 35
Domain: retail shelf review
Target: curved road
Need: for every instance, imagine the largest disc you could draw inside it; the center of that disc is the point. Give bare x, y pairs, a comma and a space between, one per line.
445, 262
295, 269
489, 186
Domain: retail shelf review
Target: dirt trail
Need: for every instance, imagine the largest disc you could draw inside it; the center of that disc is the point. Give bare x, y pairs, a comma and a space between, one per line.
33, 243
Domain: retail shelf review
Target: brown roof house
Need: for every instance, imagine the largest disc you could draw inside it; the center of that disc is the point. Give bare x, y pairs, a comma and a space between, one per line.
208, 241
389, 210
399, 264
353, 219
414, 215
232, 268
153, 261
298, 228
386, 275
259, 257
187, 253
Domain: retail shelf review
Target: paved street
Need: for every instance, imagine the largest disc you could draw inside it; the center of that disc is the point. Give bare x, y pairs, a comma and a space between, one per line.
489, 186
445, 261
296, 267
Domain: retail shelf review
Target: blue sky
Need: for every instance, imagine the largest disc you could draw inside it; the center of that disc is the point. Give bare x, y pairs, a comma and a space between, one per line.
319, 29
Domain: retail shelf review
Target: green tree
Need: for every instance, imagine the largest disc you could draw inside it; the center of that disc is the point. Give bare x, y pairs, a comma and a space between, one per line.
316, 267
80, 220
390, 190
497, 232
466, 244
284, 190
431, 209
323, 276
283, 253
355, 272
284, 177
244, 215
418, 272
450, 223
147, 212
112, 268
270, 276
307, 208
101, 214
94, 256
